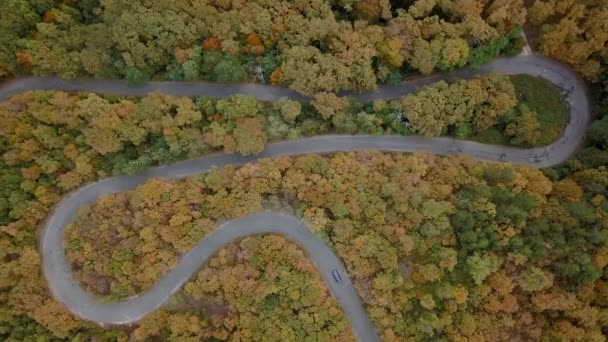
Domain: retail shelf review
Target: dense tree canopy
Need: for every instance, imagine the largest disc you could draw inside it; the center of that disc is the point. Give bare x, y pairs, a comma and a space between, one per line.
324, 45
271, 289
438, 248
478, 102
259, 287
67, 140
575, 32
52, 142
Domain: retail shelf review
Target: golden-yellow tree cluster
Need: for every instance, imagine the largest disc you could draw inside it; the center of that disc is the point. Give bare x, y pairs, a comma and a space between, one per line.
323, 45
575, 32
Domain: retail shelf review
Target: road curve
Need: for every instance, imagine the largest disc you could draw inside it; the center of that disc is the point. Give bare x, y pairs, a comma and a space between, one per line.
132, 310
52, 246
557, 73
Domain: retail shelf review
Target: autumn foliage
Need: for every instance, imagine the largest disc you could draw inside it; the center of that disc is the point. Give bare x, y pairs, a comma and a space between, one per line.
24, 59
265, 286
212, 43
438, 248
321, 46
276, 76
466, 248
254, 39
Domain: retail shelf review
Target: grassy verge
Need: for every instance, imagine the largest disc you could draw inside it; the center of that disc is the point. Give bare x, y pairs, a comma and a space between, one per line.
493, 135
539, 96
545, 99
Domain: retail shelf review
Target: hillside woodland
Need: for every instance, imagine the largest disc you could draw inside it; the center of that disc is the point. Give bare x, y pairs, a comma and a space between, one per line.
69, 139
441, 248
256, 288
310, 46
53, 142
437, 247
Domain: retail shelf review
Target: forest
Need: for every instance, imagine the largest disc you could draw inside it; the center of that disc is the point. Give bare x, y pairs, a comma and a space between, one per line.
321, 45
310, 46
53, 142
437, 247
258, 287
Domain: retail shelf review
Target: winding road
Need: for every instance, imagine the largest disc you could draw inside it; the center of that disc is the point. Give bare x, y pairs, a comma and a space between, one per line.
66, 290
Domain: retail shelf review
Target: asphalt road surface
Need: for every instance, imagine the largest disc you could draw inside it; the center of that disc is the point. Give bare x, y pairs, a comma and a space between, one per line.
66, 290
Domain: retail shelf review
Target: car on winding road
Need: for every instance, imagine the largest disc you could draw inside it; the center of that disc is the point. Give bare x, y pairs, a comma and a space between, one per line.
336, 276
